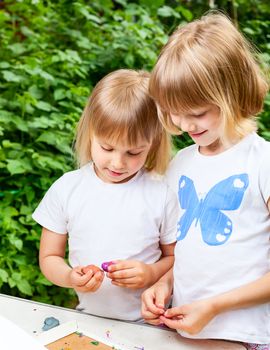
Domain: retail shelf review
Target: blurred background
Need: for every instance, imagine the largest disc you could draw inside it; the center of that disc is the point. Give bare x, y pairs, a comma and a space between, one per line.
52, 53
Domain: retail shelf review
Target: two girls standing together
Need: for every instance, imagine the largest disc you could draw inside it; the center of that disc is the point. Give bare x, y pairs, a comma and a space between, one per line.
211, 210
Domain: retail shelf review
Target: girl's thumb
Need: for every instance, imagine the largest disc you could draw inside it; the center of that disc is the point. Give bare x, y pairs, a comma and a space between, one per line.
172, 312
160, 302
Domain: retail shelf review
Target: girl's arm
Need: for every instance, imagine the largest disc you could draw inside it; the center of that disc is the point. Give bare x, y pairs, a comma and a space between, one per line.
51, 258
136, 274
55, 269
164, 264
251, 294
192, 318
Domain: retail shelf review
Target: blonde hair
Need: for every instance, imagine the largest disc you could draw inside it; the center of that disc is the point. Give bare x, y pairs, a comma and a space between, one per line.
120, 109
208, 61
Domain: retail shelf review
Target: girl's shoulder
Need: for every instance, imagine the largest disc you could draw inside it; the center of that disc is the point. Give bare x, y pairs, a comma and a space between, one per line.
157, 189
182, 156
262, 142
71, 178
153, 180
185, 151
260, 148
156, 186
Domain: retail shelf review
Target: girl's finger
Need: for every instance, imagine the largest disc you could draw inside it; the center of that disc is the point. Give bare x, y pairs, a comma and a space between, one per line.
122, 274
154, 309
129, 280
147, 315
124, 285
91, 284
172, 312
154, 322
174, 324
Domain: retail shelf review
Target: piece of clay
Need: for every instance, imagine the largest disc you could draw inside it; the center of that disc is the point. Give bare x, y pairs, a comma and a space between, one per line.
106, 264
94, 268
50, 322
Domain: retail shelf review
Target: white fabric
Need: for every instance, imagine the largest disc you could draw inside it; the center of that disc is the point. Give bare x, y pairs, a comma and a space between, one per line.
203, 270
107, 222
13, 337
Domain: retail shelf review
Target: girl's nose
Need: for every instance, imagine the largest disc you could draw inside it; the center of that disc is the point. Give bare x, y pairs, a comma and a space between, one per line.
187, 125
118, 161
184, 123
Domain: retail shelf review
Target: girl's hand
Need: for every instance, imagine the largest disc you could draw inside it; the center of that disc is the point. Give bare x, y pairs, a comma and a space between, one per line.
130, 274
85, 282
154, 300
190, 318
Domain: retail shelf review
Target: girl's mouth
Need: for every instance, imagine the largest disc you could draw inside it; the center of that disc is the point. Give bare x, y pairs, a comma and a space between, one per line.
198, 134
114, 173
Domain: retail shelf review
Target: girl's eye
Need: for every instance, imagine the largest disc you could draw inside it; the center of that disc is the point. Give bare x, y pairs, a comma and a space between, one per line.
133, 154
106, 149
199, 115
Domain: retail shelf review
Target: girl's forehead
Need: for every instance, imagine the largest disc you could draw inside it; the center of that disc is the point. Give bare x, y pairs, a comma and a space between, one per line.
191, 110
123, 142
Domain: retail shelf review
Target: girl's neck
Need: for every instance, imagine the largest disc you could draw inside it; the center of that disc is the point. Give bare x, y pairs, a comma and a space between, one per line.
218, 147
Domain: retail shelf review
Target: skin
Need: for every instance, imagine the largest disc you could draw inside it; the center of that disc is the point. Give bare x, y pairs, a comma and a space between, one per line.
135, 274
203, 126
118, 163
93, 268
113, 163
52, 253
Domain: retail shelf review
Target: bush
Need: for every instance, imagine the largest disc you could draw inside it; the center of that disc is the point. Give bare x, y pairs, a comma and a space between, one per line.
51, 56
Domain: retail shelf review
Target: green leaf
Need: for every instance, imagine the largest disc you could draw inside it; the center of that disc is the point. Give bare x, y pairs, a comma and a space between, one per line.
16, 242
152, 4
167, 11
11, 282
24, 286
59, 94
4, 65
8, 212
26, 31
44, 106
248, 31
188, 15
9, 76
42, 280
17, 48
3, 275
129, 59
18, 166
13, 145
20, 260
35, 92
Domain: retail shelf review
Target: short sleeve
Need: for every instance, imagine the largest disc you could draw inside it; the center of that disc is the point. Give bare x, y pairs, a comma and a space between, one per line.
50, 212
264, 174
168, 230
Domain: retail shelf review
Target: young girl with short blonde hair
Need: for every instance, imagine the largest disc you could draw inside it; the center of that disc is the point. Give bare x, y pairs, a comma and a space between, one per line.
120, 108
114, 209
208, 83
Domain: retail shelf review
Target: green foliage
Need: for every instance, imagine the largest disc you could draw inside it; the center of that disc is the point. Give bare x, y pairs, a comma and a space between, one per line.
52, 54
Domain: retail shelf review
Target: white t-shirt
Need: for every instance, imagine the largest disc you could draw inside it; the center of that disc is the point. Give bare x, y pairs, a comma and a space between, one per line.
223, 232
106, 222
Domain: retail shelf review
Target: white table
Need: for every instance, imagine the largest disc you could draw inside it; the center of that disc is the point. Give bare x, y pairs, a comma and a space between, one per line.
30, 316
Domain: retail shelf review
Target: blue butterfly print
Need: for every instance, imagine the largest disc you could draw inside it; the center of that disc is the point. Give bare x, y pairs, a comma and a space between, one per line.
216, 227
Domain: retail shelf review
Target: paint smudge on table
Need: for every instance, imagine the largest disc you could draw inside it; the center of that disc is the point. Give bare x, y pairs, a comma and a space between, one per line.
50, 322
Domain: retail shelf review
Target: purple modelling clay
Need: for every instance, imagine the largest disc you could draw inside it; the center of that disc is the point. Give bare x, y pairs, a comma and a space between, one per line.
106, 264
